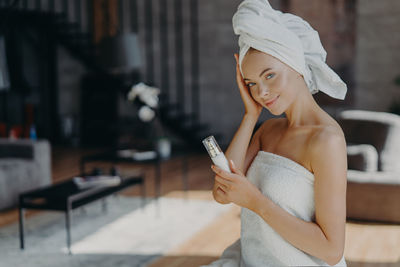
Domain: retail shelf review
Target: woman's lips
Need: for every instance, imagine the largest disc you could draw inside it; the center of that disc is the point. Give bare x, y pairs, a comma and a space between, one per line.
268, 104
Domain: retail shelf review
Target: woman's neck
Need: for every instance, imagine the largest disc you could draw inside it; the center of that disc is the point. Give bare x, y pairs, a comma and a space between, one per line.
304, 111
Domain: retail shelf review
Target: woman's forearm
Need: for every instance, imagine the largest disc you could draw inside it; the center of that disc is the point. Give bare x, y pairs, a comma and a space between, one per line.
306, 236
240, 142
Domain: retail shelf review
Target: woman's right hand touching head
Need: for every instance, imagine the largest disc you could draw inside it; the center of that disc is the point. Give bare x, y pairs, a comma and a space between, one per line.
252, 108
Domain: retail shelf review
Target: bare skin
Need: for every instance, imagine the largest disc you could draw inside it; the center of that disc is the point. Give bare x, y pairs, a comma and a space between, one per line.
308, 136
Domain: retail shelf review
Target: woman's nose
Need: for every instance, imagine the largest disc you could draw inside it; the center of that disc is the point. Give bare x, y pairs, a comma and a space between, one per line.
263, 91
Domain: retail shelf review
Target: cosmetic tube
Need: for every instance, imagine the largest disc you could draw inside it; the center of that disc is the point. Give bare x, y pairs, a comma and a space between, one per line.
216, 154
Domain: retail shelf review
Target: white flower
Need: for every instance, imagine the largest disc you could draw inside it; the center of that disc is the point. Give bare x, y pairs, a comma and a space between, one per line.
147, 94
146, 114
149, 98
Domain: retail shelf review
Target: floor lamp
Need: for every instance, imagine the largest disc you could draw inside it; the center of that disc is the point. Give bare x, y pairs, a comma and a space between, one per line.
119, 55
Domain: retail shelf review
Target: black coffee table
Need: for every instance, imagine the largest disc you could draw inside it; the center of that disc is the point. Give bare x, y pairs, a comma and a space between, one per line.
66, 196
112, 156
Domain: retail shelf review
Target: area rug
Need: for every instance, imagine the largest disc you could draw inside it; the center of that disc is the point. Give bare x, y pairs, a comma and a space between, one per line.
127, 234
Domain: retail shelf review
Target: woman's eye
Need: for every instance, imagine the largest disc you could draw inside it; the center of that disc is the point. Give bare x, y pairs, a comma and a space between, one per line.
250, 84
269, 76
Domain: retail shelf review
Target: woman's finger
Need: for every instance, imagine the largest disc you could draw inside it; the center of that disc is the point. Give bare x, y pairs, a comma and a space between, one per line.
251, 105
223, 181
222, 194
219, 189
239, 78
224, 174
222, 186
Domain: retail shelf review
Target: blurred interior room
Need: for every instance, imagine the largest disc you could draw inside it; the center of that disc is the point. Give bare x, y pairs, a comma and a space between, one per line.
127, 90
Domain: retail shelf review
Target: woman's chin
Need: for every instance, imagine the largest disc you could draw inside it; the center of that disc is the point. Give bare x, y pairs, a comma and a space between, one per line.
271, 110
274, 111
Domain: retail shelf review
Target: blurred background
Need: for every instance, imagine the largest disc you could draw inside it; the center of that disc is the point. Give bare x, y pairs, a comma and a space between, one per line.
88, 76
67, 65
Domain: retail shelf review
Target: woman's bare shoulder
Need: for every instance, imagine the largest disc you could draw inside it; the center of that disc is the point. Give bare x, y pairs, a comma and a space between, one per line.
329, 129
327, 135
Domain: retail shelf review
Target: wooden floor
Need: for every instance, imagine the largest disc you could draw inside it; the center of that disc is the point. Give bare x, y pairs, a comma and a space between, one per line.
367, 244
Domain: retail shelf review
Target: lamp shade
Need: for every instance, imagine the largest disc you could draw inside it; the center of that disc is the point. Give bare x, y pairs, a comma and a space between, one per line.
120, 53
4, 77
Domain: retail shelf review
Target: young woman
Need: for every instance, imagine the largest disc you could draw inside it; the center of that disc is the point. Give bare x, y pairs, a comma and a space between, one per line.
290, 177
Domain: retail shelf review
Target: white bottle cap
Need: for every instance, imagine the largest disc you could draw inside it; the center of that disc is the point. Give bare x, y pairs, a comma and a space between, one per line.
212, 146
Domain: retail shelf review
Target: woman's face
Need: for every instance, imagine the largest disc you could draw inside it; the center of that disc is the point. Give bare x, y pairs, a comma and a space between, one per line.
270, 82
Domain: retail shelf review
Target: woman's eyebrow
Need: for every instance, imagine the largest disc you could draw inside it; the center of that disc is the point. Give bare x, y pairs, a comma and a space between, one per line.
267, 69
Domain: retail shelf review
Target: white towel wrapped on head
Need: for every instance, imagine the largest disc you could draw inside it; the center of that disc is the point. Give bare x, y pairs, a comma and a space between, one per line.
288, 38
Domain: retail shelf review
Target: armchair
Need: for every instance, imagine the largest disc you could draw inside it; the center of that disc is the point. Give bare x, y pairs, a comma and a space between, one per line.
373, 156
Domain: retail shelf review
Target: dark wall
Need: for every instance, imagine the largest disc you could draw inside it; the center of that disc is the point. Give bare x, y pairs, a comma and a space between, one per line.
30, 55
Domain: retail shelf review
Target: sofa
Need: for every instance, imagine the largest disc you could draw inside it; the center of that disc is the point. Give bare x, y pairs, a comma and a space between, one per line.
24, 165
373, 157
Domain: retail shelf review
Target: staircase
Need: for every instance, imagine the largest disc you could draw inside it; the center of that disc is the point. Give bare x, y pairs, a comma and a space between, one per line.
69, 24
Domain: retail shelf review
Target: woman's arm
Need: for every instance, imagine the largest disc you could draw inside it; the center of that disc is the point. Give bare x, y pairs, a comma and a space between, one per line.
239, 149
325, 237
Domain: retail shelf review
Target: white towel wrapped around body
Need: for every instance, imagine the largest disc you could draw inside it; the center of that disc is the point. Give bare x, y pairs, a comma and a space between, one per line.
289, 185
